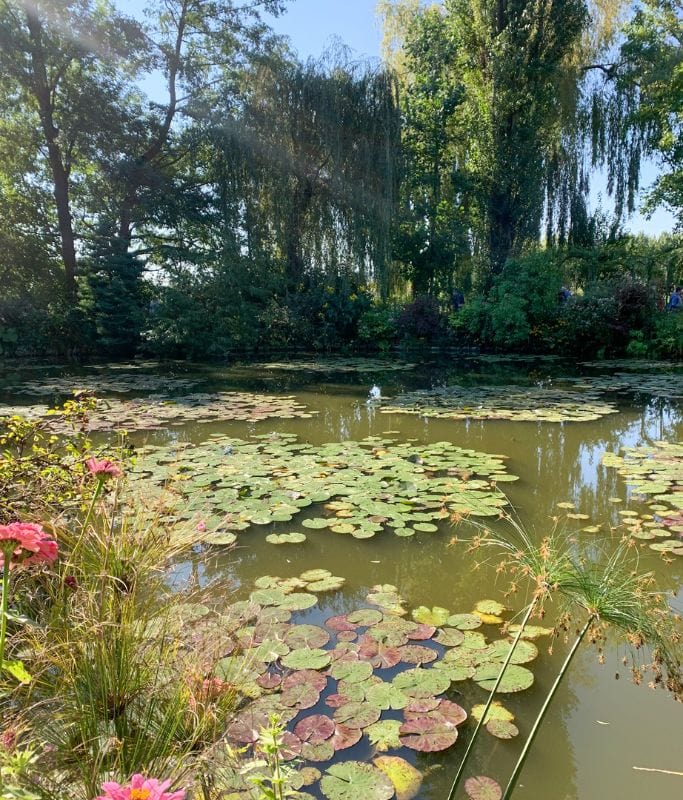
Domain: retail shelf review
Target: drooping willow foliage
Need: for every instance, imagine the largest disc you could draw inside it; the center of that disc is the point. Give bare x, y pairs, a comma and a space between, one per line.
307, 170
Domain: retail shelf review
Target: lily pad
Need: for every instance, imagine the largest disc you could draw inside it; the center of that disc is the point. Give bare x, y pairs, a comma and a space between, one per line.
427, 735
515, 679
502, 729
403, 775
436, 616
286, 538
357, 715
483, 788
314, 729
306, 658
384, 735
419, 682
352, 780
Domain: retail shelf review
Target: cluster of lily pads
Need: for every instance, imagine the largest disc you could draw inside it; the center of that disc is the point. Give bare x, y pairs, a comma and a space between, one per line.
352, 488
369, 681
158, 414
655, 474
120, 383
330, 365
519, 403
660, 384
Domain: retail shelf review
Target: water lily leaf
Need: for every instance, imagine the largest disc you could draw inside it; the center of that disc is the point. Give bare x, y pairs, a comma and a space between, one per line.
524, 652
483, 788
306, 658
417, 654
315, 575
385, 696
427, 735
330, 584
515, 679
317, 523
496, 712
300, 696
502, 729
531, 631
340, 623
450, 637
365, 616
357, 714
403, 775
421, 632
225, 538
380, 655
314, 729
444, 712
300, 636
308, 677
419, 682
286, 538
298, 601
267, 597
464, 622
352, 780
345, 737
436, 616
384, 734
323, 751
350, 671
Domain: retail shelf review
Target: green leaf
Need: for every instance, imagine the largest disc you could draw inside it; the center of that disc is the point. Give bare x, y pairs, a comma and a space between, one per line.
353, 780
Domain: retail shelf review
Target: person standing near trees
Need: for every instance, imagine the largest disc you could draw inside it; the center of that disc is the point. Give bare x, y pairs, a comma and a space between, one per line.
676, 301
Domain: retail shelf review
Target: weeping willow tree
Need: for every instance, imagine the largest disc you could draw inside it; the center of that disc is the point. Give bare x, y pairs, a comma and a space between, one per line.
309, 170
515, 151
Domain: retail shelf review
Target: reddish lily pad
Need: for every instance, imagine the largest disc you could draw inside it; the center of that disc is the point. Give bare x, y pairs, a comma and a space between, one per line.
269, 680
305, 676
421, 632
379, 655
445, 712
314, 729
302, 695
418, 706
345, 737
323, 751
483, 788
427, 735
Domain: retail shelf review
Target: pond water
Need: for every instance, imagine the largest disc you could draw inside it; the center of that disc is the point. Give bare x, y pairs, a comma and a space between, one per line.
600, 725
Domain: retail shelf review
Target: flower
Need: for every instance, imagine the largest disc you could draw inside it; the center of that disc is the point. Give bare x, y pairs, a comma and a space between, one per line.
139, 788
201, 526
26, 543
105, 467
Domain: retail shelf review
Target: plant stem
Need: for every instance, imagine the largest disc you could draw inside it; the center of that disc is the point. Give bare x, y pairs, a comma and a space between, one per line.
98, 489
546, 704
3, 605
508, 658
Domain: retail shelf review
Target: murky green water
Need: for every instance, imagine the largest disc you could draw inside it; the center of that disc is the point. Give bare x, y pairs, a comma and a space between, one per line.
599, 727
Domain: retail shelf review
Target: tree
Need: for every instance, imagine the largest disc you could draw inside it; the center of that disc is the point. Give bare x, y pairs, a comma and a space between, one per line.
61, 59
650, 87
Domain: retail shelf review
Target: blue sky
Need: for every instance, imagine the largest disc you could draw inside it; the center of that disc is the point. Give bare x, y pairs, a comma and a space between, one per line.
312, 25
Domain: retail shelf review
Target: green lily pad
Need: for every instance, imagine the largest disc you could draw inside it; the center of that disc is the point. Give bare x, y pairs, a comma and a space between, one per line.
365, 616
515, 679
286, 538
306, 658
300, 636
502, 729
496, 712
298, 601
384, 734
464, 622
357, 714
421, 682
352, 780
385, 696
436, 616
351, 671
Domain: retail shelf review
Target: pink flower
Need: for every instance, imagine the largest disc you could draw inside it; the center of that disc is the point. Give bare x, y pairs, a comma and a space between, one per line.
104, 467
201, 526
139, 788
26, 543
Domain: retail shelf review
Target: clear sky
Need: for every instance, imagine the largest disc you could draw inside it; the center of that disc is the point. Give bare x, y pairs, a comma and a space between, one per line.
313, 25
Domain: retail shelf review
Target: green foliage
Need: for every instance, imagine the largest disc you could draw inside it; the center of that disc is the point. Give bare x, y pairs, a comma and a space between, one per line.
41, 475
377, 327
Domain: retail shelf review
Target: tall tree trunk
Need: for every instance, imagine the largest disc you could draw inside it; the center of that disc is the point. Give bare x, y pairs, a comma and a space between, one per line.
301, 200
60, 170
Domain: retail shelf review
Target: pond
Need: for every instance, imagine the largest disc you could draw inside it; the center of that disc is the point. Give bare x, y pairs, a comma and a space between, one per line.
601, 726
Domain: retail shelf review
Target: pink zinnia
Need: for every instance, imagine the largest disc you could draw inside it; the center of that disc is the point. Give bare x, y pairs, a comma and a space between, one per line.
201, 526
104, 467
26, 543
139, 788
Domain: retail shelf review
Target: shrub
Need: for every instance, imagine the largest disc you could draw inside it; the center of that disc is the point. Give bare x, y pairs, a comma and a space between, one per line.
420, 319
377, 327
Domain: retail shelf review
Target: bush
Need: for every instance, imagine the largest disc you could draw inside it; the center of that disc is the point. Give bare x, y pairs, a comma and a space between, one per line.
377, 327
421, 319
